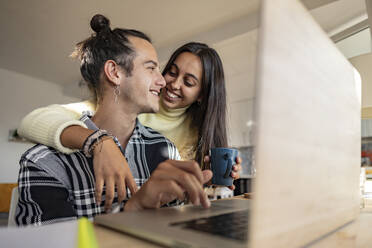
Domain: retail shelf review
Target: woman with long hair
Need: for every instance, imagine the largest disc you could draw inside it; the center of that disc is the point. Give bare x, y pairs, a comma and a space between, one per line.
193, 103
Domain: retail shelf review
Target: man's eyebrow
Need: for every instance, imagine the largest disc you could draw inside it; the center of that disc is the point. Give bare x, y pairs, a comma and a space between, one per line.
151, 62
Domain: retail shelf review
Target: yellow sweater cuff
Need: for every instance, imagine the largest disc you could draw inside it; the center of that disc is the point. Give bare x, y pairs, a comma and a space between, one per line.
45, 126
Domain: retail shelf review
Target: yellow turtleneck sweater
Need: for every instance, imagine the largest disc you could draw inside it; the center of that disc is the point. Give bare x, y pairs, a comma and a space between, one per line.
175, 125
45, 125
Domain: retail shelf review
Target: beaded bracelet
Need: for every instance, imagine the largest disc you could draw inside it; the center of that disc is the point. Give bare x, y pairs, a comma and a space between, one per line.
94, 140
95, 144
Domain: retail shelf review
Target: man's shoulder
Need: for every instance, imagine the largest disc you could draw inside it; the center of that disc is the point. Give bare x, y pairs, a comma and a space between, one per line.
152, 135
41, 154
48, 162
37, 152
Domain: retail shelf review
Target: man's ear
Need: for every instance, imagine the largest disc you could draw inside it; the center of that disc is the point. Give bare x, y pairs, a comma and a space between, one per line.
111, 72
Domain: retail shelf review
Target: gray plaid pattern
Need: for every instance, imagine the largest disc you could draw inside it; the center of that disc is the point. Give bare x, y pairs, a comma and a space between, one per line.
56, 187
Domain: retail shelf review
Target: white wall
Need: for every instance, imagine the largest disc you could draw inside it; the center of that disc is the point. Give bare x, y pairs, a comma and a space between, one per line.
363, 64
357, 48
238, 55
19, 94
357, 44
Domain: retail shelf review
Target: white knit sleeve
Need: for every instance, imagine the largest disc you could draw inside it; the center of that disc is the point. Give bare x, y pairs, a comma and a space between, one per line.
45, 125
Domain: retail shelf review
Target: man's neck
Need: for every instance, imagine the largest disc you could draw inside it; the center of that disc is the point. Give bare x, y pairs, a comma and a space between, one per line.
117, 119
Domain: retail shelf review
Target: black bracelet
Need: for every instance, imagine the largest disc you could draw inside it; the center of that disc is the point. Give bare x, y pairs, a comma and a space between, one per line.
92, 139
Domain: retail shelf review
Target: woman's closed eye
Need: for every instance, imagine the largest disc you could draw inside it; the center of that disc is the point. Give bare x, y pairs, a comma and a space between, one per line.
172, 73
188, 83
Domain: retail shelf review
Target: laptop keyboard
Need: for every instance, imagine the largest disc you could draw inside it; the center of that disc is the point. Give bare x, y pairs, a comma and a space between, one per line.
231, 225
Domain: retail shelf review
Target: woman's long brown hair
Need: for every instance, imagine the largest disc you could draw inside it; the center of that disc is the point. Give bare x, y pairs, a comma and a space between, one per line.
208, 116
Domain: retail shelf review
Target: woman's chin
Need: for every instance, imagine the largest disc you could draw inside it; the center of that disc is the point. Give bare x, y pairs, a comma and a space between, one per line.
167, 104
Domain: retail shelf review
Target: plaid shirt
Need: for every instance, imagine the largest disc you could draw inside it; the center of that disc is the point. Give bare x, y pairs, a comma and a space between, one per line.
55, 187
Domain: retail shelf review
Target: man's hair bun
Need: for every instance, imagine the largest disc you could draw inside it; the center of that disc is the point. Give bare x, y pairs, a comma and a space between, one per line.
99, 23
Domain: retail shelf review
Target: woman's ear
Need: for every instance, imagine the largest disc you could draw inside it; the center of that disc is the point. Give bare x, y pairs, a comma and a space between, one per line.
111, 72
199, 100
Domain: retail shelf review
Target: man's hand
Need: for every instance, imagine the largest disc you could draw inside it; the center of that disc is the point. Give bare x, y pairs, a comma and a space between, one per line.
111, 168
172, 179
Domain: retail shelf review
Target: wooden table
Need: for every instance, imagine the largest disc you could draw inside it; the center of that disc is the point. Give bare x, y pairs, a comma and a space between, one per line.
356, 234
108, 238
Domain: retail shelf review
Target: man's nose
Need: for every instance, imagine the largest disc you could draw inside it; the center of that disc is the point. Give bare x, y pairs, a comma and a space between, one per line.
160, 81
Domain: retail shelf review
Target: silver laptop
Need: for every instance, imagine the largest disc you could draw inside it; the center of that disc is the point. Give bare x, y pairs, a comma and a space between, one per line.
307, 148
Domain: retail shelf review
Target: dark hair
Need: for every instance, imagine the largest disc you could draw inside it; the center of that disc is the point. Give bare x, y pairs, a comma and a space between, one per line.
208, 116
105, 44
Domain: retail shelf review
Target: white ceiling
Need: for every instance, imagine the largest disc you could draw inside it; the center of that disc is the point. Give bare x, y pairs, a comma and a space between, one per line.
334, 15
37, 36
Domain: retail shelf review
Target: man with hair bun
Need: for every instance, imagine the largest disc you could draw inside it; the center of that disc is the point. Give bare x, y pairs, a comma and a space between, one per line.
122, 69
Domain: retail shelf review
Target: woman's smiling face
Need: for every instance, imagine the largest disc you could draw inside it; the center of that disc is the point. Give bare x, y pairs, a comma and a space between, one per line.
183, 81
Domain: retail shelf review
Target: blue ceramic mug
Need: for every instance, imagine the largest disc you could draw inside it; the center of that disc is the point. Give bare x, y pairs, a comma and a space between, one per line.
222, 161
